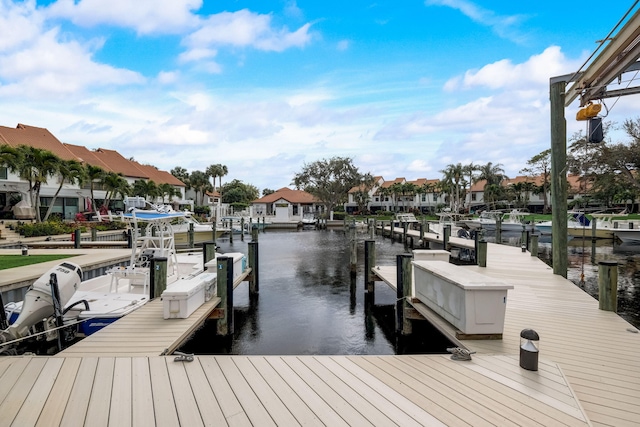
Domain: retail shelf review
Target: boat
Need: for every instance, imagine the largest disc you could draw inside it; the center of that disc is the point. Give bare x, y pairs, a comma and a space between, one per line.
61, 305
579, 225
405, 218
627, 235
512, 221
309, 220
446, 218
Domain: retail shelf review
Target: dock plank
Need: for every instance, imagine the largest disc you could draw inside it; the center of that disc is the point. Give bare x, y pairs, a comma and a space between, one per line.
80, 393
18, 393
143, 414
56, 402
35, 401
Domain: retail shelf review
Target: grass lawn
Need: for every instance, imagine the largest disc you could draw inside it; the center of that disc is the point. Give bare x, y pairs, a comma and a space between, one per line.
11, 261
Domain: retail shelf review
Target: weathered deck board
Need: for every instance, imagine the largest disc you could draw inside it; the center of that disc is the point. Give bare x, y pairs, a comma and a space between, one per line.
280, 390
596, 350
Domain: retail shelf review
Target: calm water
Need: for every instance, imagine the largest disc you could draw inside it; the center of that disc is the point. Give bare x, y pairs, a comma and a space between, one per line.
308, 303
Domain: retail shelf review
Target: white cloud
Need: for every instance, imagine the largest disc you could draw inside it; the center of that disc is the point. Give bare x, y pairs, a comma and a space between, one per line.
245, 29
536, 72
343, 45
168, 77
503, 26
144, 16
19, 24
49, 66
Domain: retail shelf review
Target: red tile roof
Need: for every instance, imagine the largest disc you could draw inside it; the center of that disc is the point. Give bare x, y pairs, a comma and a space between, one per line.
34, 137
292, 196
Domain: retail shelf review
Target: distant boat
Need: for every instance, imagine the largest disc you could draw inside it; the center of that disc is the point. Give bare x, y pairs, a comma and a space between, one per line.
579, 225
628, 235
511, 221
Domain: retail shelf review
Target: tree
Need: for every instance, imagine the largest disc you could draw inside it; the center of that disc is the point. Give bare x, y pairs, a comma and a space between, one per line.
94, 175
267, 191
115, 184
200, 184
238, 192
540, 165
362, 195
494, 176
146, 189
330, 180
71, 172
35, 166
217, 170
182, 174
469, 171
453, 183
167, 190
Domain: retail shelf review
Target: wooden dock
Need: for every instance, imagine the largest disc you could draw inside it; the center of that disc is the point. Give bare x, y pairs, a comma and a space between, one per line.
144, 332
598, 351
589, 373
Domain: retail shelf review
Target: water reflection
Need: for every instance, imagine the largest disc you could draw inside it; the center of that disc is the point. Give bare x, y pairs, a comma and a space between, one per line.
310, 303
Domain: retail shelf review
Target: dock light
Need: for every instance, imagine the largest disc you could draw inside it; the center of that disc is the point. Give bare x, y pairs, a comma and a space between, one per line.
588, 112
25, 251
529, 349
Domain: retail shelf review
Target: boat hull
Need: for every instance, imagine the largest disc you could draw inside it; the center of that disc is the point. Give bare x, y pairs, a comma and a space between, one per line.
628, 236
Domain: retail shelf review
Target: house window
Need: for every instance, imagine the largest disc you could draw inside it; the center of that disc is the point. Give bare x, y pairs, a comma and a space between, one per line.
424, 197
386, 199
377, 199
3, 173
435, 197
473, 196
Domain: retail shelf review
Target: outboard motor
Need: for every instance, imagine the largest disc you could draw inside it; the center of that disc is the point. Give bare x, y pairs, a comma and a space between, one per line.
38, 301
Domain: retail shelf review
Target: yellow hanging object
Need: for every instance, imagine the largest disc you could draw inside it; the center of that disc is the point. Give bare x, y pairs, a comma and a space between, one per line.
588, 112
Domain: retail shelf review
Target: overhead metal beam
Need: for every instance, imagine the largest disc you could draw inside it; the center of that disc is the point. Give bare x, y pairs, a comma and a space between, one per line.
617, 56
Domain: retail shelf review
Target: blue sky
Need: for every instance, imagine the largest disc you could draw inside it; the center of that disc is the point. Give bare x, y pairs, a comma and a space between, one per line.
402, 87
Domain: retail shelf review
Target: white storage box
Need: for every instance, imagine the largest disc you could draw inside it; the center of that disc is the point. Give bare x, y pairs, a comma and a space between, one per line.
470, 301
185, 296
239, 263
431, 255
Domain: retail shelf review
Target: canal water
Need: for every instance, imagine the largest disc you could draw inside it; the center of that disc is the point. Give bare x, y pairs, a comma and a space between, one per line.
309, 303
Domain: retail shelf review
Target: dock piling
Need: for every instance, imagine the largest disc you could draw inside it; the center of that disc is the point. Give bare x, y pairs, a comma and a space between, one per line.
369, 263
403, 280
534, 245
157, 277
353, 249
224, 325
208, 251
254, 283
190, 235
499, 231
608, 286
481, 255
446, 233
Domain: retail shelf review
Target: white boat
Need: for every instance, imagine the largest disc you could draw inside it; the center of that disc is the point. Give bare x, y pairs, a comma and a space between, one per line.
83, 307
309, 219
511, 221
578, 225
447, 219
628, 235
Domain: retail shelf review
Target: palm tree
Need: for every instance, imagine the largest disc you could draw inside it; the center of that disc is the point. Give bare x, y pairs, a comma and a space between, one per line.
217, 170
94, 174
115, 184
200, 183
146, 189
494, 176
469, 171
167, 190
71, 172
37, 165
453, 181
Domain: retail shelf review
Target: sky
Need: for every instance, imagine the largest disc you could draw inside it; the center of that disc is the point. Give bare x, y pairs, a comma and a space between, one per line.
403, 88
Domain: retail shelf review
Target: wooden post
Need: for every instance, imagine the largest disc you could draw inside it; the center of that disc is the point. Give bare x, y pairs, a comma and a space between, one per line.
608, 286
254, 282
476, 239
224, 325
76, 238
534, 245
94, 234
369, 263
190, 235
405, 231
558, 126
391, 224
157, 277
208, 252
426, 242
499, 231
353, 249
213, 229
593, 240
482, 253
129, 239
403, 282
446, 232
242, 229
231, 232
254, 234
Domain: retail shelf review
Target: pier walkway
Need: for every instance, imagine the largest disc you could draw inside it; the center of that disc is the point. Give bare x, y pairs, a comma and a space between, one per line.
598, 351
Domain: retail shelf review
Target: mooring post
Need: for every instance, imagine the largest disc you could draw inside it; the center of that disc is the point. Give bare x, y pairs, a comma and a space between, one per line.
129, 239
499, 231
446, 233
481, 257
208, 252
76, 238
608, 286
254, 282
353, 249
534, 245
224, 325
369, 263
190, 235
157, 277
593, 240
403, 287
405, 232
213, 230
254, 234
94, 234
476, 239
242, 229
231, 232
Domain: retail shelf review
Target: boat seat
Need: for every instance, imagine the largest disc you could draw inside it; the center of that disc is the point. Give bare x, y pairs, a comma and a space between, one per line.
135, 275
